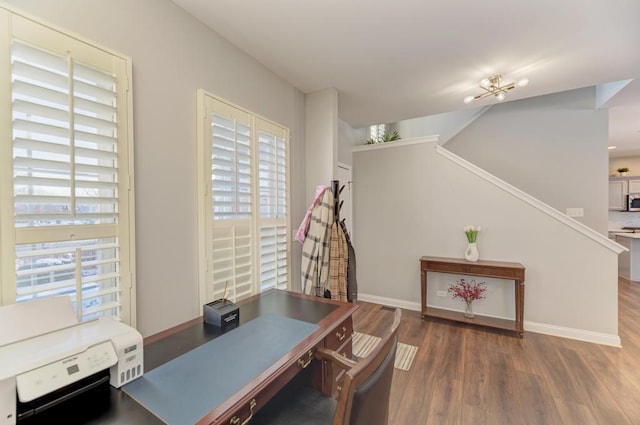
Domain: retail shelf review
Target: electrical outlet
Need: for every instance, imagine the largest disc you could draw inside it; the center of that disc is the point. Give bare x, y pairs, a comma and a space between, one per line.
441, 293
575, 212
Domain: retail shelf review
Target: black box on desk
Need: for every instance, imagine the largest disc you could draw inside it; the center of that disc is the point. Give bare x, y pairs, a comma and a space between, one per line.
221, 313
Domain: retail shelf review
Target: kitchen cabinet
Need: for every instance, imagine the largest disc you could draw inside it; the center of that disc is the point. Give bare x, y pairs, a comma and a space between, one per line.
634, 186
618, 190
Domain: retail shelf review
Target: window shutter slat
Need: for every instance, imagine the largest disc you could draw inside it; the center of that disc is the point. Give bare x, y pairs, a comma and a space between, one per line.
40, 164
95, 76
100, 109
43, 129
36, 181
24, 52
26, 90
41, 111
89, 91
95, 123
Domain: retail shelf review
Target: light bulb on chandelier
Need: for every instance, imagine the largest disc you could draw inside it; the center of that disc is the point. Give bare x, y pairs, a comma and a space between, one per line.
492, 86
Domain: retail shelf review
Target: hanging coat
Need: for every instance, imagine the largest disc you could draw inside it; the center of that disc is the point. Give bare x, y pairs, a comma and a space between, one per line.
352, 282
301, 234
315, 249
338, 263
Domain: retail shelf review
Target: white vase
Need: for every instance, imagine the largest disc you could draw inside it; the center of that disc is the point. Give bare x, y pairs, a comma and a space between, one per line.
471, 253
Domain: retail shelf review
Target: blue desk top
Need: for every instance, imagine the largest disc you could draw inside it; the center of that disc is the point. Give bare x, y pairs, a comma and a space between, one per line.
188, 387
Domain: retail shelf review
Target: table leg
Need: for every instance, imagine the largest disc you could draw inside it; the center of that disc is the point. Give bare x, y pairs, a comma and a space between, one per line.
520, 307
423, 291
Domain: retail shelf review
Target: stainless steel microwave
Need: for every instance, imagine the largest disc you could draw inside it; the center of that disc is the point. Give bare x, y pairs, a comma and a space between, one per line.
633, 202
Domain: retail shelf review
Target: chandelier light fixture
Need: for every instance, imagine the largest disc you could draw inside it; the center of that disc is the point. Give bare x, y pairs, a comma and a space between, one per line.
492, 87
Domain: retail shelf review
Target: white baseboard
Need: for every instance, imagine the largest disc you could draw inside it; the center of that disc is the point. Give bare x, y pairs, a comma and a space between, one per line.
572, 333
541, 328
392, 302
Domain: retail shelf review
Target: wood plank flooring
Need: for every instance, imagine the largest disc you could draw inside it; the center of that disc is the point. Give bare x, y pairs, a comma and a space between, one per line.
470, 375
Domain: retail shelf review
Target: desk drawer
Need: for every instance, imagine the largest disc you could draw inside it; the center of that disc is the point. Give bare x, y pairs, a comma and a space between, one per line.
338, 373
339, 335
247, 409
340, 340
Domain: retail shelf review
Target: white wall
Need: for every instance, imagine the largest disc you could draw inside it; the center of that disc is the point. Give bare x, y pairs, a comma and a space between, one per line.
445, 125
321, 136
410, 202
630, 162
553, 147
347, 139
173, 55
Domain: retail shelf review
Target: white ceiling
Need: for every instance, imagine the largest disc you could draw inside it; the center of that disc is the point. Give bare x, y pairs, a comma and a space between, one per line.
401, 59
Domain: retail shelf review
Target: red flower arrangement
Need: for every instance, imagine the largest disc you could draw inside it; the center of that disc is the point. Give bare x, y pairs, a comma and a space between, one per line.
468, 291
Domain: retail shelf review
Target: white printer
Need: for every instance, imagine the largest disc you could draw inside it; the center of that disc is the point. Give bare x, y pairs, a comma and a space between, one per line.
52, 357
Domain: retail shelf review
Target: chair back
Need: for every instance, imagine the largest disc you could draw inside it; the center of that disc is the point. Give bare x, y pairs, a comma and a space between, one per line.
364, 397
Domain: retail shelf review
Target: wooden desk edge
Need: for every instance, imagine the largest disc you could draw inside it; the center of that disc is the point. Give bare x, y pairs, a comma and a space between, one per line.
182, 326
471, 263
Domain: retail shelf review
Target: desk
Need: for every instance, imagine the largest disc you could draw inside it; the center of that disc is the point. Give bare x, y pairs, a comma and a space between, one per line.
333, 318
494, 269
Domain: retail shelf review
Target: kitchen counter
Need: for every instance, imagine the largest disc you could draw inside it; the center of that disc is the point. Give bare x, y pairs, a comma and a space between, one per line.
629, 261
628, 235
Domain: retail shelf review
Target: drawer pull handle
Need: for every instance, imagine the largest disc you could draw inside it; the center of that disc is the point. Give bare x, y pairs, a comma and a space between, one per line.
236, 420
305, 363
344, 333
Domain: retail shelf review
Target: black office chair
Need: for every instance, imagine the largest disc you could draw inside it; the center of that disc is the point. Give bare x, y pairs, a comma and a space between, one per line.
363, 398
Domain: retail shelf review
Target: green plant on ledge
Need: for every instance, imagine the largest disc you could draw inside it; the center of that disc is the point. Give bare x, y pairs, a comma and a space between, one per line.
385, 138
623, 170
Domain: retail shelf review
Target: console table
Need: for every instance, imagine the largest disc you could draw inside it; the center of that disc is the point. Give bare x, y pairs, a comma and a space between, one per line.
492, 269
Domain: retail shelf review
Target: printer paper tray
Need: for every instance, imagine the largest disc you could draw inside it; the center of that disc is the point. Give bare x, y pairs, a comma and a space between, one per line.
31, 408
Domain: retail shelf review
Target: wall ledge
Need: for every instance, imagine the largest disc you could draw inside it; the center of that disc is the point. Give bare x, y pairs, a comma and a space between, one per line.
397, 144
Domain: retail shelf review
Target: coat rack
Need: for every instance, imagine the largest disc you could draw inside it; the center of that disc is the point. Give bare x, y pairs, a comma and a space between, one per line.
337, 204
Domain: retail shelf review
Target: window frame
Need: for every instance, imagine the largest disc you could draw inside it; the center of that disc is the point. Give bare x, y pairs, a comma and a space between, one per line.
207, 292
58, 41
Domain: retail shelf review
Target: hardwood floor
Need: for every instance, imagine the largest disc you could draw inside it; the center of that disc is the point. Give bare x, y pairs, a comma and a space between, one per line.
469, 375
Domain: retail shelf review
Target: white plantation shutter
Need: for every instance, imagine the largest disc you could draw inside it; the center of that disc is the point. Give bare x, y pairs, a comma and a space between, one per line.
272, 174
232, 199
274, 271
272, 222
244, 204
232, 260
65, 163
230, 168
71, 163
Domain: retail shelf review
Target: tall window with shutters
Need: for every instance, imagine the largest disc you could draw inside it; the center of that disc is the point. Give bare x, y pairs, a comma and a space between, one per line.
66, 210
243, 211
